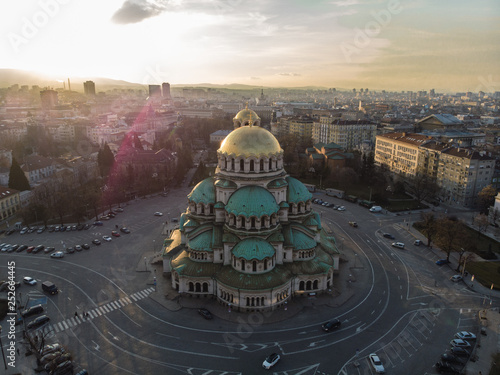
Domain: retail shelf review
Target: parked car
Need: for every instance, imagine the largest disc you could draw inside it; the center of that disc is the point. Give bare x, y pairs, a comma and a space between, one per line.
21, 248
353, 224
33, 310
331, 325
464, 335
86, 246
417, 243
456, 278
457, 350
271, 360
119, 209
78, 248
96, 242
376, 363
441, 262
49, 249
341, 208
30, 249
114, 233
446, 368
205, 313
158, 213
70, 250
106, 238
125, 230
460, 343
448, 357
98, 223
399, 245
388, 235
38, 249
57, 254
47, 349
41, 229
24, 230
29, 280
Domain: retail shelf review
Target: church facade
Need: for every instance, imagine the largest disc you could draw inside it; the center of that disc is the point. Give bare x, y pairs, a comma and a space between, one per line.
249, 236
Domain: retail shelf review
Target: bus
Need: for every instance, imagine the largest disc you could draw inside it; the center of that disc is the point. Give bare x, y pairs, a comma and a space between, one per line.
351, 198
335, 193
367, 204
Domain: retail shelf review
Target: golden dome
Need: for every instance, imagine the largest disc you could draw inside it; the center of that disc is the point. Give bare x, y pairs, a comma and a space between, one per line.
247, 117
250, 140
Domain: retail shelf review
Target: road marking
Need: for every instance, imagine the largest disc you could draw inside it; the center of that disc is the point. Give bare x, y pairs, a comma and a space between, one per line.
105, 308
133, 297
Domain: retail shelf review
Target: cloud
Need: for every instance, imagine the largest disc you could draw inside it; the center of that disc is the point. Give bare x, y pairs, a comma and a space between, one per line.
255, 78
133, 11
345, 3
289, 74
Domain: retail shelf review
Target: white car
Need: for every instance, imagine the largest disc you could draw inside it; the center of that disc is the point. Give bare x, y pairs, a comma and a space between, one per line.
399, 245
158, 214
460, 343
456, 279
271, 361
106, 238
376, 363
57, 254
341, 208
29, 280
464, 335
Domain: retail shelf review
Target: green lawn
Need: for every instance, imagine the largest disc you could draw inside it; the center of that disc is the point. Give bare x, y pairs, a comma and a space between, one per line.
485, 273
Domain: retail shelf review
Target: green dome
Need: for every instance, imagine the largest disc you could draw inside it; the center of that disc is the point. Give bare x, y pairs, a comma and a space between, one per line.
225, 184
252, 201
204, 192
302, 241
277, 183
297, 192
253, 248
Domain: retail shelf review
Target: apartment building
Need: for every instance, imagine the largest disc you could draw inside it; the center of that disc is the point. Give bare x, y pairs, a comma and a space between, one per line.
399, 151
347, 134
9, 202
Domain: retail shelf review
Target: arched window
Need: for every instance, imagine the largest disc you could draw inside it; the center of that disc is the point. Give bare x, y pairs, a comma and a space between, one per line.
261, 165
191, 287
252, 223
242, 165
301, 285
270, 164
198, 287
254, 266
205, 287
225, 163
265, 264
252, 166
308, 285
315, 284
243, 264
232, 164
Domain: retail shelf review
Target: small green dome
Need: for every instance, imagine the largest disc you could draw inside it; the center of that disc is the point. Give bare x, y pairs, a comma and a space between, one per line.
297, 192
253, 248
277, 183
252, 201
204, 192
226, 184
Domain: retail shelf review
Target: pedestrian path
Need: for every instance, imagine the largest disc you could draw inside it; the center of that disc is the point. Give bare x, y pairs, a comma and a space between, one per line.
101, 310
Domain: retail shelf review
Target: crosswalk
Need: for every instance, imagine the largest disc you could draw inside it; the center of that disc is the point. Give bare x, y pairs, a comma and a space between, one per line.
101, 310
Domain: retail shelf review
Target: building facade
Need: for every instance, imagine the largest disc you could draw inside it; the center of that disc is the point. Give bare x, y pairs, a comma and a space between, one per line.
9, 202
249, 236
347, 134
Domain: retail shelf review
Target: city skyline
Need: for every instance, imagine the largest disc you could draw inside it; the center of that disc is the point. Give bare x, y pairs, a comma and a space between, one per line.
393, 45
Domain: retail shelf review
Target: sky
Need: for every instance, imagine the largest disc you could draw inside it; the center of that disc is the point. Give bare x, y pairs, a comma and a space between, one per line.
449, 45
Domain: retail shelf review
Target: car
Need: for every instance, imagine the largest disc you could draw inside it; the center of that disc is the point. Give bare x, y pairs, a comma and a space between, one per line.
10, 249
158, 213
62, 228
448, 357
375, 209
70, 250
441, 262
119, 209
446, 368
464, 335
14, 247
271, 360
456, 278
24, 230
79, 227
460, 343
417, 242
98, 223
57, 254
399, 245
33, 310
62, 357
10, 231
38, 249
78, 248
457, 350
41, 229
21, 248
96, 242
51, 228
49, 357
388, 235
341, 208
47, 349
331, 325
104, 217
205, 313
111, 215
376, 363
106, 238
86, 246
86, 227
73, 227
49, 249
125, 230
29, 280
353, 224
30, 249
114, 233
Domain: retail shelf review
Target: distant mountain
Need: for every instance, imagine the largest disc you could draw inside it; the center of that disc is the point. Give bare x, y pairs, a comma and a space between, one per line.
9, 77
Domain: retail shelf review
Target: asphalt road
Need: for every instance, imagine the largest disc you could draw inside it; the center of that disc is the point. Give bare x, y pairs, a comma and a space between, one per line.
403, 307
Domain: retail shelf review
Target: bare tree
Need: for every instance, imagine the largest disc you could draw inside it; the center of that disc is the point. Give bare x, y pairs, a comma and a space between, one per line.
450, 235
422, 187
429, 226
482, 222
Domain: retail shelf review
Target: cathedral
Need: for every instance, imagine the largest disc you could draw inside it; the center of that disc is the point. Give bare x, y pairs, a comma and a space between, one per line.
249, 236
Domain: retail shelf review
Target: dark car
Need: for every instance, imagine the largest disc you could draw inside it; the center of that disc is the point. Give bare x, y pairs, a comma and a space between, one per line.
96, 242
86, 246
461, 352
21, 248
33, 310
441, 262
79, 227
70, 250
331, 325
98, 223
205, 313
38, 249
125, 230
451, 358
40, 321
49, 249
446, 368
86, 226
388, 235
